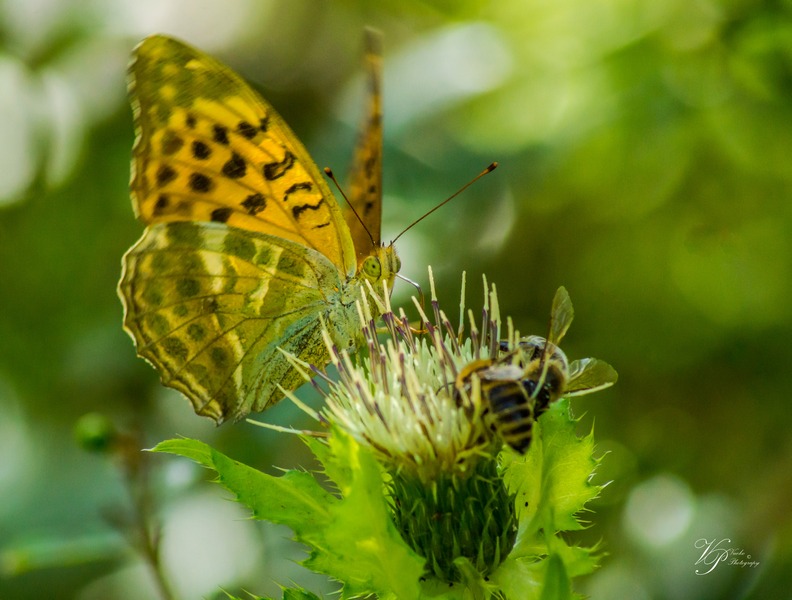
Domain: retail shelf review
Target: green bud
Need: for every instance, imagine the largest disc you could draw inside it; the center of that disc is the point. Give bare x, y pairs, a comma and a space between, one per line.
456, 516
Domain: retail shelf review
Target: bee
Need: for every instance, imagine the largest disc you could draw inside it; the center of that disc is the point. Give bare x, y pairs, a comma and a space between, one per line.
527, 377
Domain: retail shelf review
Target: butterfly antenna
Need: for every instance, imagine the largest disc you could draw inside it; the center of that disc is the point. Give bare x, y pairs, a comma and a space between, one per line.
329, 172
489, 169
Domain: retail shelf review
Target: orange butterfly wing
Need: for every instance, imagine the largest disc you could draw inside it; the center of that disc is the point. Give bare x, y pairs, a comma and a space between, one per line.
209, 148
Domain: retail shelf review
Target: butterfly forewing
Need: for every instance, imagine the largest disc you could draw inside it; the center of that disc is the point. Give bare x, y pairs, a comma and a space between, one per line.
365, 195
211, 149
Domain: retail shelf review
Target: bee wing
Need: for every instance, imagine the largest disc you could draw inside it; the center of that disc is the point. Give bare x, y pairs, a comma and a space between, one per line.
561, 316
508, 372
589, 375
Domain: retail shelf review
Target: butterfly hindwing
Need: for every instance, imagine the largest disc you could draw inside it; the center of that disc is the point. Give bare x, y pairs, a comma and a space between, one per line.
208, 306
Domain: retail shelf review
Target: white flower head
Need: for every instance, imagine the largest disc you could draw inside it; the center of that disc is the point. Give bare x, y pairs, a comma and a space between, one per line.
401, 399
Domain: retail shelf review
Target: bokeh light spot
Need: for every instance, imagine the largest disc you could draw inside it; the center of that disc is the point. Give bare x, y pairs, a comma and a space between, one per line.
17, 152
659, 511
208, 542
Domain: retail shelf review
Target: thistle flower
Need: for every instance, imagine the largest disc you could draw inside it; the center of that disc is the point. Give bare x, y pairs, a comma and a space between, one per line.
399, 397
401, 400
428, 503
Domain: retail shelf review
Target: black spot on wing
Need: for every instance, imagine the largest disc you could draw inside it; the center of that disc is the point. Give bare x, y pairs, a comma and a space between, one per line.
369, 165
254, 203
220, 134
304, 186
200, 150
200, 183
171, 143
221, 215
190, 121
161, 205
264, 123
165, 174
277, 169
235, 167
297, 211
246, 130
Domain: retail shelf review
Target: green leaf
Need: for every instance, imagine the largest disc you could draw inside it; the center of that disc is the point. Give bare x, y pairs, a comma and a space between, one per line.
294, 498
352, 539
520, 578
551, 481
578, 560
288, 594
295, 594
551, 485
556, 582
364, 549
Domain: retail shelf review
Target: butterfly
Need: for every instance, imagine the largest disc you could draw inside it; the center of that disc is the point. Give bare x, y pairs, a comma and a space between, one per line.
245, 250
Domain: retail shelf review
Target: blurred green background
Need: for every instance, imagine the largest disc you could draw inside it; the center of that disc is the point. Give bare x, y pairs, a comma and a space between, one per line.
646, 164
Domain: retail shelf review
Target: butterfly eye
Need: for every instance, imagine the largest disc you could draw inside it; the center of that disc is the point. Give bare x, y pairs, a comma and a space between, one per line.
398, 263
372, 268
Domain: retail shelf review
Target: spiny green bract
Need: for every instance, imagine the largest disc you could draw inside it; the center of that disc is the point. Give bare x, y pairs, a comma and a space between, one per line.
472, 517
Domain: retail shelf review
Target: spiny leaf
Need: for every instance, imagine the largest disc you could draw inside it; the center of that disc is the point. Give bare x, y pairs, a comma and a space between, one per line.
352, 539
368, 554
294, 498
552, 480
552, 485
